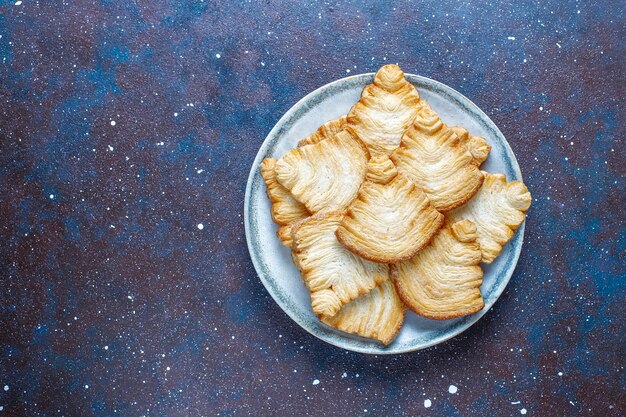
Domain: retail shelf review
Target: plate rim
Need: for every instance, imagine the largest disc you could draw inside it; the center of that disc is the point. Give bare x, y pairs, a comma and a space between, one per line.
261, 153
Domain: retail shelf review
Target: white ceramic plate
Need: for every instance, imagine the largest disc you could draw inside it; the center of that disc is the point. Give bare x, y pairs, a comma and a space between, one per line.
273, 261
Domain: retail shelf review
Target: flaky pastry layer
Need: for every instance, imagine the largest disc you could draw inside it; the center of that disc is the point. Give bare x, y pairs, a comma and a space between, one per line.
286, 210
379, 314
443, 280
326, 175
385, 111
433, 157
334, 275
497, 210
389, 222
475, 145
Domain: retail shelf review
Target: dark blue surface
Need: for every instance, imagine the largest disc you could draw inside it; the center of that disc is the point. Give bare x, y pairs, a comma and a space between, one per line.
114, 301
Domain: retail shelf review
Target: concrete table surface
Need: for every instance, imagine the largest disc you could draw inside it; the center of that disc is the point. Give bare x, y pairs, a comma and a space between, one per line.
127, 130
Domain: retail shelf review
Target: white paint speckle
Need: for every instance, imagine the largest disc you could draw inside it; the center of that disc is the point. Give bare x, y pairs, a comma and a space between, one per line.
112, 122
452, 389
200, 226
561, 373
427, 403
51, 196
511, 38
167, 369
523, 411
559, 45
1, 407
344, 375
218, 56
18, 3
175, 114
316, 381
6, 387
86, 386
106, 348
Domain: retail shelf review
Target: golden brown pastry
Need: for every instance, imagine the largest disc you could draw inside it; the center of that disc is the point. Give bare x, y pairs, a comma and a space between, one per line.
325, 131
385, 110
391, 219
327, 175
497, 209
475, 145
286, 210
443, 280
380, 169
433, 157
334, 275
379, 314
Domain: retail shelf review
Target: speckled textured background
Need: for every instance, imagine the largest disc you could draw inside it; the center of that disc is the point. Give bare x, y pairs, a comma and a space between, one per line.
126, 125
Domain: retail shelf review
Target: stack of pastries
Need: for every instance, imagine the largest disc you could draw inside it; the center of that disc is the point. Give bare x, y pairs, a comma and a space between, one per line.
387, 209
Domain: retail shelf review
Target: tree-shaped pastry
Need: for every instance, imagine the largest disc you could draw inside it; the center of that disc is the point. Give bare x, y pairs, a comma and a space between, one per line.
475, 145
286, 210
391, 219
385, 111
443, 280
334, 275
379, 314
327, 175
433, 157
325, 131
497, 209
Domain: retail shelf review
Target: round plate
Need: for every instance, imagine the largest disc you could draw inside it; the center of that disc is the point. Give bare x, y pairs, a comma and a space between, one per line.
273, 261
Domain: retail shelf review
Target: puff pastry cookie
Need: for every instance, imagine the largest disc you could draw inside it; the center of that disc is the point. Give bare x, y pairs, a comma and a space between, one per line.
433, 157
475, 145
443, 280
286, 210
385, 110
497, 209
326, 175
391, 219
325, 131
379, 314
334, 275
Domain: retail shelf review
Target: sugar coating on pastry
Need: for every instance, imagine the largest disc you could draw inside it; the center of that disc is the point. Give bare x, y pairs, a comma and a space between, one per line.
389, 221
379, 314
325, 131
443, 280
286, 210
385, 111
475, 145
326, 175
334, 275
433, 157
497, 210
